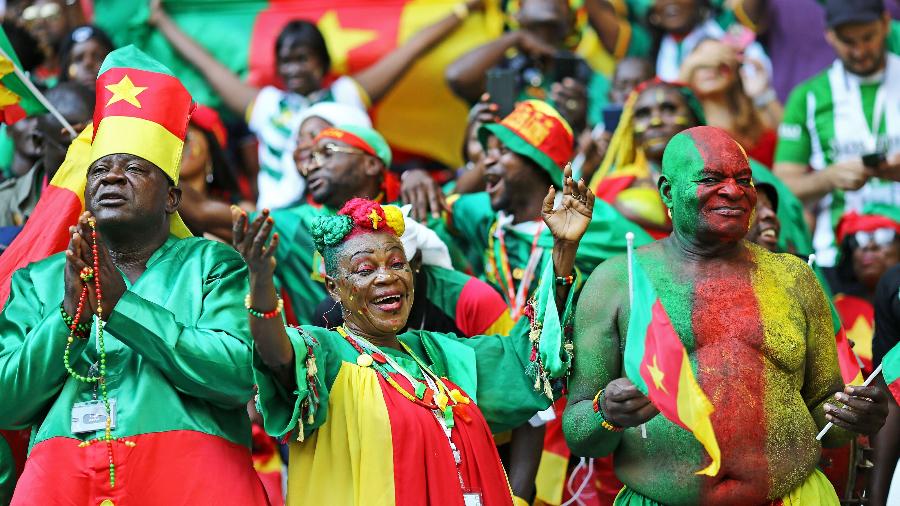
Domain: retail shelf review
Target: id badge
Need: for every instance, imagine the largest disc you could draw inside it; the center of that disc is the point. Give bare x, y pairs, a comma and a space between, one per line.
472, 499
90, 416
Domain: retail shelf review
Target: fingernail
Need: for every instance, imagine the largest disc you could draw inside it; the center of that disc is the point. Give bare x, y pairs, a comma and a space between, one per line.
842, 397
275, 235
269, 220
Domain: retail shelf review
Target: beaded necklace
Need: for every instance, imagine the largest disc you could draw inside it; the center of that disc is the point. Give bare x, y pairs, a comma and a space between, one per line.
100, 379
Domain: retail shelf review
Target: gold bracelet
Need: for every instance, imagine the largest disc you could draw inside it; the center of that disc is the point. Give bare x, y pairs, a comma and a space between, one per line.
461, 11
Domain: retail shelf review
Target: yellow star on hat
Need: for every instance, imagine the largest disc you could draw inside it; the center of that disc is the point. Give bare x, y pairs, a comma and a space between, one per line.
125, 90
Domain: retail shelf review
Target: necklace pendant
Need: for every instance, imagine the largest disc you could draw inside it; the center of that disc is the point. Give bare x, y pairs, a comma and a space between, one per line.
518, 273
364, 360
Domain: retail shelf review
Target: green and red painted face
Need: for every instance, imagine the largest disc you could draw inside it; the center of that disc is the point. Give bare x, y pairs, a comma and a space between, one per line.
707, 185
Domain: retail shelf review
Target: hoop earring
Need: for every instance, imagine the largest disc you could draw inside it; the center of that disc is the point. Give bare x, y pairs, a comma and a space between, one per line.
328, 324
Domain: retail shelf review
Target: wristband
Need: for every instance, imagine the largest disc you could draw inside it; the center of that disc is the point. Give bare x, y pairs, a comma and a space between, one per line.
565, 280
263, 315
603, 422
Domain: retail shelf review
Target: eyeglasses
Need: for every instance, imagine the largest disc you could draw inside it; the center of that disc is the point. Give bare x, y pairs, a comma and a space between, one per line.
321, 155
881, 237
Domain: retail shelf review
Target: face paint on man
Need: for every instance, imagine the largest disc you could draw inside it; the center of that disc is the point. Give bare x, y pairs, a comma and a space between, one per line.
708, 185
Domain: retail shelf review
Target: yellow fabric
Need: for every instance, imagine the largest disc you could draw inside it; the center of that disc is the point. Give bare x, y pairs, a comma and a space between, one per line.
551, 478
421, 114
621, 152
501, 325
355, 441
518, 501
643, 202
72, 174
694, 410
137, 136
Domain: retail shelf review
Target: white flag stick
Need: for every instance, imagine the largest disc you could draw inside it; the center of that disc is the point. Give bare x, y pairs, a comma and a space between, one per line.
40, 96
629, 241
829, 425
811, 260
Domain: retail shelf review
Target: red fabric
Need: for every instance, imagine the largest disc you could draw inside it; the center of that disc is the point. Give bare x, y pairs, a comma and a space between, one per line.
18, 444
424, 470
57, 209
764, 149
347, 138
11, 114
853, 222
265, 450
177, 467
206, 118
165, 101
479, 306
609, 188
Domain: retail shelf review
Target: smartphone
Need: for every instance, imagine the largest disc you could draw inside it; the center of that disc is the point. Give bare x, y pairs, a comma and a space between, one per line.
503, 89
565, 65
612, 113
874, 160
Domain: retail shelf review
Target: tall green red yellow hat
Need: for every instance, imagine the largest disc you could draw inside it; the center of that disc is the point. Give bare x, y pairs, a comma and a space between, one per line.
142, 109
536, 131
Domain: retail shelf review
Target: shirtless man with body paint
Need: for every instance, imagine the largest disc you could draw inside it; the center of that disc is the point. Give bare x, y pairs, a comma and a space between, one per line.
758, 331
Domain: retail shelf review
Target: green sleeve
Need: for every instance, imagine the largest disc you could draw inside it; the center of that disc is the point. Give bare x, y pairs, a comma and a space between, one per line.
466, 230
640, 43
7, 472
208, 358
794, 141
32, 342
598, 97
305, 408
892, 43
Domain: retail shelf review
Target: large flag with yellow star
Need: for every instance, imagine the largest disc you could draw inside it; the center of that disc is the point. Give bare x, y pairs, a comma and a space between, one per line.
657, 362
421, 116
16, 100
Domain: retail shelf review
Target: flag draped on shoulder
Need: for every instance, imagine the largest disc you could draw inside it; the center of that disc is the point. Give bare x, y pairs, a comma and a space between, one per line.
16, 100
657, 363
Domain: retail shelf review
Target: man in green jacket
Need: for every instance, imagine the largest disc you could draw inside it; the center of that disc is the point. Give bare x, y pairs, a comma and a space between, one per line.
129, 353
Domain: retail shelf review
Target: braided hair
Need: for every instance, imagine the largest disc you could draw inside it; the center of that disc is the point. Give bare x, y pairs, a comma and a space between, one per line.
358, 216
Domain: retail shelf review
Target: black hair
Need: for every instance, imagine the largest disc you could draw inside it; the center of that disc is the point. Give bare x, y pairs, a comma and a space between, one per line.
657, 33
224, 175
304, 33
25, 46
79, 34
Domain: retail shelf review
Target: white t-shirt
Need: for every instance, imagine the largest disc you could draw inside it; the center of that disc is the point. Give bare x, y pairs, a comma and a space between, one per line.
270, 118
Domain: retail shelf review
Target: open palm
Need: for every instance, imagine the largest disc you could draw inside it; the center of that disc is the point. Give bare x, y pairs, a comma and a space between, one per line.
570, 220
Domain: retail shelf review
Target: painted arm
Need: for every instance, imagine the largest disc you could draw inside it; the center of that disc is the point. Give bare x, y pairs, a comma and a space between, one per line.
378, 79
210, 358
32, 343
598, 358
236, 94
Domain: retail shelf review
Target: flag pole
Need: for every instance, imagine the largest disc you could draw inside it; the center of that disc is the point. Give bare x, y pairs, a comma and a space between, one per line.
38, 95
829, 425
811, 260
629, 241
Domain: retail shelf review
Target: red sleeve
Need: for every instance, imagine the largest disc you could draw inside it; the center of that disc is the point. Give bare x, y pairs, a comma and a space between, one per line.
478, 308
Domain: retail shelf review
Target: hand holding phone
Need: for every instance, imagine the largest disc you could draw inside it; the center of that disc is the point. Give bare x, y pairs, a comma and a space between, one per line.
503, 89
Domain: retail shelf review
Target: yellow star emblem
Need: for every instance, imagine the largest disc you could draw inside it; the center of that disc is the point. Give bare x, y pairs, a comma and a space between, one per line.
375, 219
342, 40
125, 90
657, 376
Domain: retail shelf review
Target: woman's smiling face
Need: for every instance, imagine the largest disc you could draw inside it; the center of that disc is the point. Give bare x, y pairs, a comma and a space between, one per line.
373, 282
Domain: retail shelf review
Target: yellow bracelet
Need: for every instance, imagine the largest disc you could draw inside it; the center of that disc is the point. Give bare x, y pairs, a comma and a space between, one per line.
461, 11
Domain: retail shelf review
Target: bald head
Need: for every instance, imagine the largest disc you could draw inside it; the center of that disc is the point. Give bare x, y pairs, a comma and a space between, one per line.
707, 184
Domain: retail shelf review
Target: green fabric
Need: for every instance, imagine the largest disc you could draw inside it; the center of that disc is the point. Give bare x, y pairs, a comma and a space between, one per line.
27, 101
794, 236
374, 139
506, 400
7, 151
882, 209
473, 223
222, 28
132, 57
7, 472
520, 146
553, 356
178, 348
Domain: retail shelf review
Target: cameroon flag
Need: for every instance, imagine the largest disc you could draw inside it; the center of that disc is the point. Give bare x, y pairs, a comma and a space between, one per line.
16, 100
891, 370
657, 363
850, 371
420, 116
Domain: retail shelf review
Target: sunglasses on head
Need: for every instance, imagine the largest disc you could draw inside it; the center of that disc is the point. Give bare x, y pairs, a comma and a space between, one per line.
881, 237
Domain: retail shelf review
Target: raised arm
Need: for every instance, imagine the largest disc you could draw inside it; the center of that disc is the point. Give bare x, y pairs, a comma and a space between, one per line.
236, 94
378, 79
205, 215
606, 22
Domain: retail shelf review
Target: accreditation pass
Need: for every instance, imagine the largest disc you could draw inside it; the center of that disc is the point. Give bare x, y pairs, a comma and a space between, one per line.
90, 416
